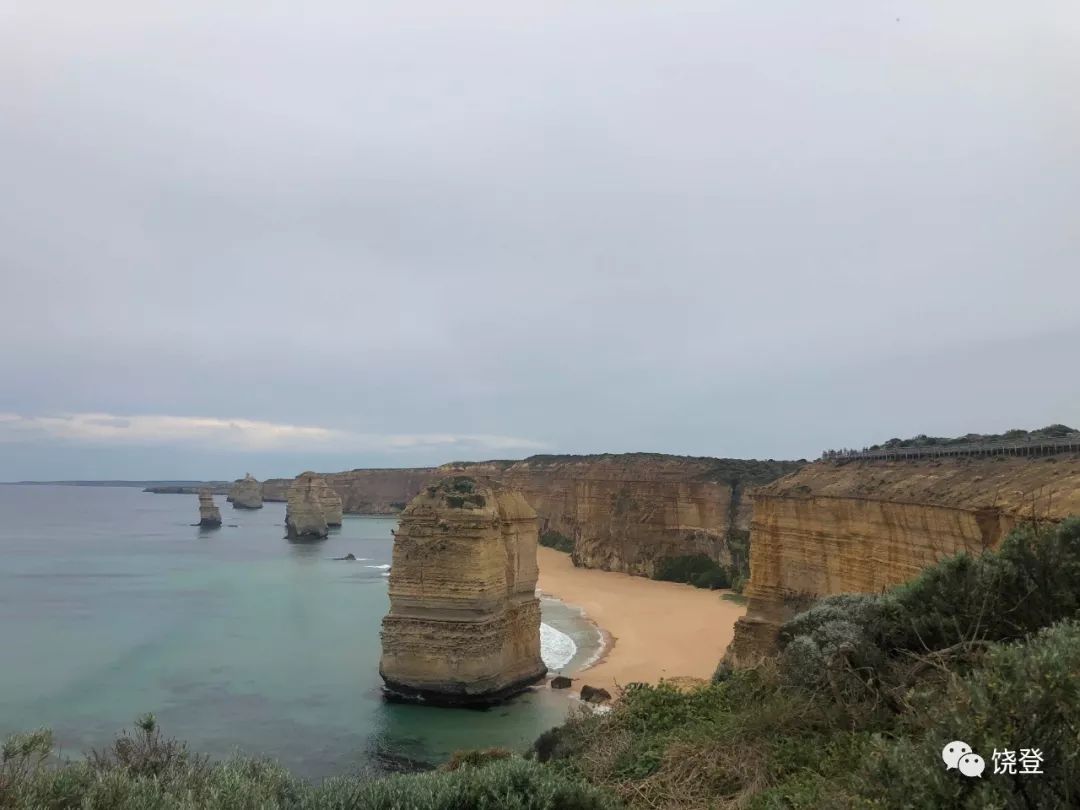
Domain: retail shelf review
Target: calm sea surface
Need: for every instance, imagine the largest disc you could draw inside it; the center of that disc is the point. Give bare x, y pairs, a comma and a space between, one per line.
112, 604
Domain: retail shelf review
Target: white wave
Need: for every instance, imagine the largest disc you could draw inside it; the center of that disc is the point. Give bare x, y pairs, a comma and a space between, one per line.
380, 567
556, 648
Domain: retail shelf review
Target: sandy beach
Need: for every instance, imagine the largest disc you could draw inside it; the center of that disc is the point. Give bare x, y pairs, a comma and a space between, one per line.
657, 629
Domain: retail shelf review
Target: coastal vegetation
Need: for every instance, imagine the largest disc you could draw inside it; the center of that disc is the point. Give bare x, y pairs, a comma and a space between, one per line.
144, 771
557, 541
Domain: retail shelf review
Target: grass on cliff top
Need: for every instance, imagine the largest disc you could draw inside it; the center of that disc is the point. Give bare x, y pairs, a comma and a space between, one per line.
868, 689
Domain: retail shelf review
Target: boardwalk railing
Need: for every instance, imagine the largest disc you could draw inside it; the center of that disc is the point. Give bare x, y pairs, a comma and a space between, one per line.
1021, 447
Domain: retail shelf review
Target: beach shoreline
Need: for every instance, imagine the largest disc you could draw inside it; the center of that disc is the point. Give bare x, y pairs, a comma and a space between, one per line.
649, 630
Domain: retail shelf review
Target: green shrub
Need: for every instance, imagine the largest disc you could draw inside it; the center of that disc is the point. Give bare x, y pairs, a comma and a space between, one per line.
557, 541
1022, 695
684, 567
954, 606
142, 771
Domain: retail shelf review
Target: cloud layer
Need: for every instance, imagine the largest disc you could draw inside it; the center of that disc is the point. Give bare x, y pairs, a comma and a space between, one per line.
240, 435
711, 228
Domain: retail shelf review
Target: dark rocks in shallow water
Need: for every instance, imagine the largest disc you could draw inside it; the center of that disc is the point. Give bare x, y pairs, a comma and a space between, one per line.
594, 694
560, 682
347, 557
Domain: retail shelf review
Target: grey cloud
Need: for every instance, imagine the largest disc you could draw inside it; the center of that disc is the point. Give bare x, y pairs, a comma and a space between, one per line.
687, 227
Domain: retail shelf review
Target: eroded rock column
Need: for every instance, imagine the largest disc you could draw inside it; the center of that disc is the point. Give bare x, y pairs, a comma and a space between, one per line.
209, 514
246, 493
464, 620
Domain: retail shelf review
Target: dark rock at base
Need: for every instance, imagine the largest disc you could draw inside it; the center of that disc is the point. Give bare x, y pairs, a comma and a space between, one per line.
561, 682
594, 694
347, 557
455, 695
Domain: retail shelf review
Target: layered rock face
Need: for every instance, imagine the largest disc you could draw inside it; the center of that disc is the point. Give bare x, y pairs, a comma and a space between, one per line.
304, 515
365, 492
627, 512
209, 514
331, 504
464, 620
246, 493
862, 527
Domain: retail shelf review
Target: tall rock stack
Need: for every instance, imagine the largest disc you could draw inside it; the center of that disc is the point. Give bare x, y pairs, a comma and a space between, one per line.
304, 516
464, 620
246, 493
209, 514
331, 504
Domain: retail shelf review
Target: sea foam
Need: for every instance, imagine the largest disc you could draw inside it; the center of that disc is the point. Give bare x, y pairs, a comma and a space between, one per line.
556, 648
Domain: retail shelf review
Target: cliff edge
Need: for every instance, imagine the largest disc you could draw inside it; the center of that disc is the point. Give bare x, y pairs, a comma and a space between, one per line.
864, 526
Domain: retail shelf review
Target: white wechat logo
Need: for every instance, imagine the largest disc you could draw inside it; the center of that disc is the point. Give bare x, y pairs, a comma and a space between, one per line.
971, 765
952, 752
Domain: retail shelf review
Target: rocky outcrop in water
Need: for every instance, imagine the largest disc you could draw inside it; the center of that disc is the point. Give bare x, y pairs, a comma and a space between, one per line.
304, 515
464, 620
863, 526
209, 514
246, 493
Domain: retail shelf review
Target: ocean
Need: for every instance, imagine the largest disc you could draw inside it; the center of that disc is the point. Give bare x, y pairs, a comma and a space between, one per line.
112, 604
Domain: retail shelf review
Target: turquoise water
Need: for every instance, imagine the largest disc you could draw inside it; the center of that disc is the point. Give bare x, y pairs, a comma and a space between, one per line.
112, 604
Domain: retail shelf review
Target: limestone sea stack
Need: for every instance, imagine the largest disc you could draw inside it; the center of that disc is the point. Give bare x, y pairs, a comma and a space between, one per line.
464, 620
246, 493
331, 504
209, 514
304, 516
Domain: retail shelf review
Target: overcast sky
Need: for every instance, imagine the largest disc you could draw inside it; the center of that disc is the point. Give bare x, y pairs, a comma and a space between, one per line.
275, 236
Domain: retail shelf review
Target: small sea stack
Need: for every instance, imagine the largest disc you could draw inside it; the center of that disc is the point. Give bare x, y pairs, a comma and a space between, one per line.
464, 621
246, 493
209, 514
304, 515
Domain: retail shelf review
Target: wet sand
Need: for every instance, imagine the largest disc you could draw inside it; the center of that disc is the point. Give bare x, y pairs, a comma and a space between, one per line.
655, 629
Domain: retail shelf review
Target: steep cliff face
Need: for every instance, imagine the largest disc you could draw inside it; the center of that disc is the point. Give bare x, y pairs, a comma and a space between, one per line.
365, 492
304, 515
861, 527
209, 514
626, 512
464, 621
246, 493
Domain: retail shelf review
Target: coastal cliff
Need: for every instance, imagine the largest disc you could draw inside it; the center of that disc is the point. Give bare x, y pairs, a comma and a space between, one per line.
246, 493
864, 526
627, 512
365, 492
464, 620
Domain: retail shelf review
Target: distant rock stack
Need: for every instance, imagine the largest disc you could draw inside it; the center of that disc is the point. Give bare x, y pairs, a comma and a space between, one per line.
246, 493
304, 515
209, 514
464, 620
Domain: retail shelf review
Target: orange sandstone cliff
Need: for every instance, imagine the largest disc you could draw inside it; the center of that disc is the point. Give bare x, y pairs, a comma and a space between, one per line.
864, 526
626, 512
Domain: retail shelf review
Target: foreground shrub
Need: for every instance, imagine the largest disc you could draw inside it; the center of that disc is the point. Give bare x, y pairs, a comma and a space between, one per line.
143, 771
1022, 695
